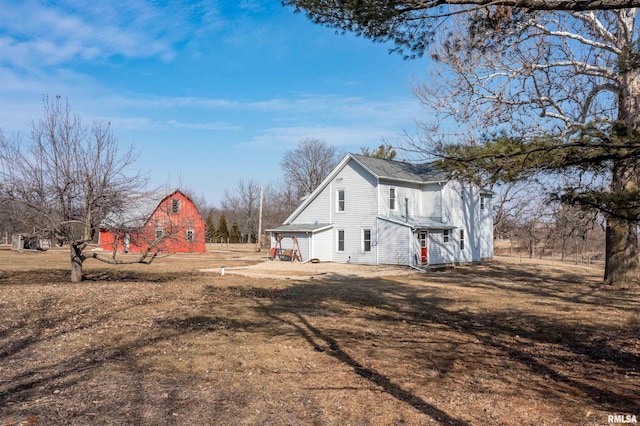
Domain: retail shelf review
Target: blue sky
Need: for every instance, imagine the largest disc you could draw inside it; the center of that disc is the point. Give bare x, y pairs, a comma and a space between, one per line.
207, 92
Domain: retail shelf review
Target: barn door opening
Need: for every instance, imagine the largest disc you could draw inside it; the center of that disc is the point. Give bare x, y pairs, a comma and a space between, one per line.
423, 237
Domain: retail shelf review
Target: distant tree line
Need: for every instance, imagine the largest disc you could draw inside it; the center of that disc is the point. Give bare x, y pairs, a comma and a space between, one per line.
303, 170
532, 226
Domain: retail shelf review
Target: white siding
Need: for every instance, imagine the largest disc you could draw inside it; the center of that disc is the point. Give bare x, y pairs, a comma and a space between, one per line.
394, 243
416, 250
318, 210
322, 245
441, 252
461, 208
486, 229
360, 212
432, 201
407, 196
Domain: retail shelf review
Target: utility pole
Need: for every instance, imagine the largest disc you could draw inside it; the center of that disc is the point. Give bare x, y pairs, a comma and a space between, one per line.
260, 222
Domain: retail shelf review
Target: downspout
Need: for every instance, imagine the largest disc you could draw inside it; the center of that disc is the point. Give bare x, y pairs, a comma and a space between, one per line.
406, 219
410, 254
377, 249
378, 221
442, 218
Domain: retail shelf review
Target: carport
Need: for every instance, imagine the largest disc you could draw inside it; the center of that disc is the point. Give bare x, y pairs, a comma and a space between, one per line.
309, 239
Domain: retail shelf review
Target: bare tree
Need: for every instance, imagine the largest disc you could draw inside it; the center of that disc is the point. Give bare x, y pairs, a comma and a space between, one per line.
308, 164
280, 201
571, 226
242, 206
510, 203
67, 178
546, 73
529, 68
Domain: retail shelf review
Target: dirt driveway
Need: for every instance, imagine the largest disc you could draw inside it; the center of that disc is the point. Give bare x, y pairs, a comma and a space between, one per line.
303, 271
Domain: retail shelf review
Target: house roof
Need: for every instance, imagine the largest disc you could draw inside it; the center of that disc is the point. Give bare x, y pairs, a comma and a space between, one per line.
301, 227
400, 170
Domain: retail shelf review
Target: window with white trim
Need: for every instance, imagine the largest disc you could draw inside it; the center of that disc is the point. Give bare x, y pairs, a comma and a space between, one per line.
462, 239
392, 198
175, 205
481, 203
445, 236
159, 232
191, 235
366, 240
340, 197
340, 239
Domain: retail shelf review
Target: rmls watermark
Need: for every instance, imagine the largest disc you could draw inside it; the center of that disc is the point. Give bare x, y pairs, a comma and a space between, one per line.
622, 419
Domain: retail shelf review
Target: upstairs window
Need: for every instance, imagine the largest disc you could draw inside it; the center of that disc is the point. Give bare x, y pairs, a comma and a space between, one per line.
340, 206
392, 198
190, 235
481, 203
175, 206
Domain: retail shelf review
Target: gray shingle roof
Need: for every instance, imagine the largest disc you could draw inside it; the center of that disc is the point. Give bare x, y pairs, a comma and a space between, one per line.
400, 170
300, 227
419, 222
138, 211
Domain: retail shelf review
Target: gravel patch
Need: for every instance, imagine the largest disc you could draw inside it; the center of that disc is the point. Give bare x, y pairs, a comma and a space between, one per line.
303, 271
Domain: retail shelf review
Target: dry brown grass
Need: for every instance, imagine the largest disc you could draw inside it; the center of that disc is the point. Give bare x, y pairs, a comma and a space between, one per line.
502, 343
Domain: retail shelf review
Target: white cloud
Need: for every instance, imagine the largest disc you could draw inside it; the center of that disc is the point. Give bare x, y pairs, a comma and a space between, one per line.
342, 136
252, 5
55, 33
347, 107
160, 102
203, 126
130, 123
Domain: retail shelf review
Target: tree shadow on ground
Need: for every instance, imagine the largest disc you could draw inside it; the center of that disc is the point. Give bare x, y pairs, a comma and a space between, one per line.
117, 275
62, 276
423, 320
559, 356
47, 373
552, 283
29, 377
321, 341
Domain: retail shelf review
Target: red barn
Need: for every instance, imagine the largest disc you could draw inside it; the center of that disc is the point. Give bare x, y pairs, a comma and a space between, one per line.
174, 226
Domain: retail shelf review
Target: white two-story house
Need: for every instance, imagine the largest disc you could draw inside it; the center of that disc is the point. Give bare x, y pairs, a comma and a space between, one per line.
375, 211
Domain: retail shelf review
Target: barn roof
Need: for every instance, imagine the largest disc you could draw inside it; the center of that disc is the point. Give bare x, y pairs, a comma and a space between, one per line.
139, 211
134, 216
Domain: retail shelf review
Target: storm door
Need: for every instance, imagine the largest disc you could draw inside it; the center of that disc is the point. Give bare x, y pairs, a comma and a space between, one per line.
423, 237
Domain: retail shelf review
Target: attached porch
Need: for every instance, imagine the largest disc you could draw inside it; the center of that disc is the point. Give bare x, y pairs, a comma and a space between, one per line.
419, 242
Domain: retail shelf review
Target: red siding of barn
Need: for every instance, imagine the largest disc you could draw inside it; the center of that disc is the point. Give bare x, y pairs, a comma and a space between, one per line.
176, 216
